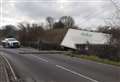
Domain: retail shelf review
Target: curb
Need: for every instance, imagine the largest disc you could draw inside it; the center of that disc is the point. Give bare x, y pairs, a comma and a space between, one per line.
11, 69
3, 72
45, 52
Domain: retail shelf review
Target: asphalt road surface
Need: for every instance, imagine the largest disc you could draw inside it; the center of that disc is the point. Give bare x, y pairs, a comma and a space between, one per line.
58, 67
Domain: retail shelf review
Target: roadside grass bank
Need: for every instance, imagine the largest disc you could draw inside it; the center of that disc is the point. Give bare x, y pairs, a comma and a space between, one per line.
95, 58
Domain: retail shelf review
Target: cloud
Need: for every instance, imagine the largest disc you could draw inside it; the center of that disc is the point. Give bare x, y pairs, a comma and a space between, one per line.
85, 12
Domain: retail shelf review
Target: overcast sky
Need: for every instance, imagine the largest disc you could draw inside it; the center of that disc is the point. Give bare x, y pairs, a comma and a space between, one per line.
86, 13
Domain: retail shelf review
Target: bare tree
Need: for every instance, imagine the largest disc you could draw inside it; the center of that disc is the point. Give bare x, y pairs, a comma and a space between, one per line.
114, 20
30, 33
113, 27
9, 31
68, 21
50, 21
58, 25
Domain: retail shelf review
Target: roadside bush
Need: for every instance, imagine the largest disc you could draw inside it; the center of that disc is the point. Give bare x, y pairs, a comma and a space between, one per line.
102, 51
33, 35
29, 33
111, 53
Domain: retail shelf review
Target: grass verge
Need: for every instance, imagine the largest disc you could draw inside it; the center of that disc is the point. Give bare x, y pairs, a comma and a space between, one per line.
96, 59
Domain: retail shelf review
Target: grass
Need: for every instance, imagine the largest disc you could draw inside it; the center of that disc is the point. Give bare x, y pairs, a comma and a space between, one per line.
96, 59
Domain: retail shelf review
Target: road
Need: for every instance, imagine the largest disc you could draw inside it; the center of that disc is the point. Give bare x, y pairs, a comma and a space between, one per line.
58, 68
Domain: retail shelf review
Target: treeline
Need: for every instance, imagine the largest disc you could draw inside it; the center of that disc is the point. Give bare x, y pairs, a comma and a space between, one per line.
50, 36
36, 36
8, 31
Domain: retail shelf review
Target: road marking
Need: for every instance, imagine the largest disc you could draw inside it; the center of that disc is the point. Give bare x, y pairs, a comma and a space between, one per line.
40, 58
93, 80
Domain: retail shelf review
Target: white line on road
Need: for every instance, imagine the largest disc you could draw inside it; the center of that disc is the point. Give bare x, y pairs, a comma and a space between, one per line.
93, 80
61, 67
40, 58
